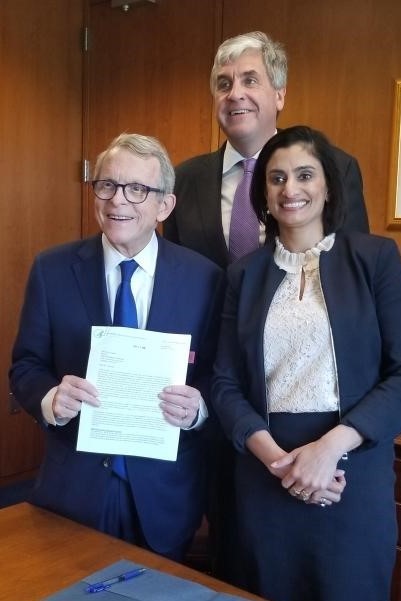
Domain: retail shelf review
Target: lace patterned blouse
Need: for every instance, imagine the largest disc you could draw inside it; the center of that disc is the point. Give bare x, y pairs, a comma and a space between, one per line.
299, 359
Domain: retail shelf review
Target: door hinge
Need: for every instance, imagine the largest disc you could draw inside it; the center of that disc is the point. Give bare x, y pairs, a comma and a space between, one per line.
85, 39
86, 168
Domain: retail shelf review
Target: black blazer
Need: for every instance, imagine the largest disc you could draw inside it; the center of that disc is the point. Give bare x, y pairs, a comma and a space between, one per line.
196, 220
361, 283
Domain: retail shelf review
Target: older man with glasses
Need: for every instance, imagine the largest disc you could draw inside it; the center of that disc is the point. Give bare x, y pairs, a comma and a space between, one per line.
129, 276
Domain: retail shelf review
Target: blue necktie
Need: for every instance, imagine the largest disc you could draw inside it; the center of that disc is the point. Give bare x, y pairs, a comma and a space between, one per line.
124, 315
124, 308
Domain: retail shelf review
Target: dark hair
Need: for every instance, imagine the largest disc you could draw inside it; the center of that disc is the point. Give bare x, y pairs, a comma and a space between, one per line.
321, 149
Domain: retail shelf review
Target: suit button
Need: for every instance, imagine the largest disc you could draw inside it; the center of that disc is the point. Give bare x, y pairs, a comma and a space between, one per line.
107, 462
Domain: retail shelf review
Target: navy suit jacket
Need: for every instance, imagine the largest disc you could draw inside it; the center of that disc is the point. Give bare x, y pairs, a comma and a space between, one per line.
196, 220
65, 296
361, 283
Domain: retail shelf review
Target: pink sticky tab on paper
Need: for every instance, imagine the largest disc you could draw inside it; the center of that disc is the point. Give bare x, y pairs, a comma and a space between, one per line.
191, 358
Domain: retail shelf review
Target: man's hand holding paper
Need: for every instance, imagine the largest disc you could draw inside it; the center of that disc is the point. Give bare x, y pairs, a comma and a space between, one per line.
130, 368
180, 405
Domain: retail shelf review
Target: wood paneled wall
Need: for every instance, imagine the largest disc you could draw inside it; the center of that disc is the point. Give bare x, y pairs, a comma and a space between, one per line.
148, 71
41, 150
344, 56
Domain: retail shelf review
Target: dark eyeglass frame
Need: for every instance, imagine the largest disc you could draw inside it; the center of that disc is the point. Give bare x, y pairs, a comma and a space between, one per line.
146, 189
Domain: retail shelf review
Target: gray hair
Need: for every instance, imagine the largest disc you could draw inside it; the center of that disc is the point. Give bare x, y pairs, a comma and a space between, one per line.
146, 147
273, 55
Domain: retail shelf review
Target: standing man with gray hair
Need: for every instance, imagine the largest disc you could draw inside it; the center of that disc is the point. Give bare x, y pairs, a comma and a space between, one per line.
153, 503
248, 82
213, 214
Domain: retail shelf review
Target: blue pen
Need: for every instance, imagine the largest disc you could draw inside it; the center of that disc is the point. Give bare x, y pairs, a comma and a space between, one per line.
105, 584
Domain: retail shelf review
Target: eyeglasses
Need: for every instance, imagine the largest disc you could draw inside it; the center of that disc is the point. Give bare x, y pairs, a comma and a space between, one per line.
136, 193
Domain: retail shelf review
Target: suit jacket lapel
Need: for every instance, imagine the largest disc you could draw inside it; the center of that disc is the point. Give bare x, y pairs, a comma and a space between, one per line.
263, 277
89, 273
164, 298
209, 200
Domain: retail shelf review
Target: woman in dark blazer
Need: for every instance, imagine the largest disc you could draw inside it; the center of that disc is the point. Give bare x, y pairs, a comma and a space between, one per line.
308, 386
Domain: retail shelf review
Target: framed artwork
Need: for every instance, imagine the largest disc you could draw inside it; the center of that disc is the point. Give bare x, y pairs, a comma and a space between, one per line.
394, 201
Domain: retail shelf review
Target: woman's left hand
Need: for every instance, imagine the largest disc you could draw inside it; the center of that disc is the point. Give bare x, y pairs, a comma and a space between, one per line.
312, 468
327, 497
180, 404
313, 465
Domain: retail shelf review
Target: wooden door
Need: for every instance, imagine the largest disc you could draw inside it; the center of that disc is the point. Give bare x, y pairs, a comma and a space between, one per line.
148, 72
40, 158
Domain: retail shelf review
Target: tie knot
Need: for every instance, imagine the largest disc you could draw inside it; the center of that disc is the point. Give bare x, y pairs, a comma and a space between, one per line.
127, 269
249, 165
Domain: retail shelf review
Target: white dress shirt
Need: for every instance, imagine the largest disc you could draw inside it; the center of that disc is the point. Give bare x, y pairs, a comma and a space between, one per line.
141, 281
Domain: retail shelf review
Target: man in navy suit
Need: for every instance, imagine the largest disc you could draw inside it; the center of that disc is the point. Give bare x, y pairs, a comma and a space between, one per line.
156, 504
248, 83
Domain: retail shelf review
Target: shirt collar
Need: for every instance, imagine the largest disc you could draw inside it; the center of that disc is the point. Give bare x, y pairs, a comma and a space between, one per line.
232, 156
146, 258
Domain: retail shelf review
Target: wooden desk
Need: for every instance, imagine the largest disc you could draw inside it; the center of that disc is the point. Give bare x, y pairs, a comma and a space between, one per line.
41, 552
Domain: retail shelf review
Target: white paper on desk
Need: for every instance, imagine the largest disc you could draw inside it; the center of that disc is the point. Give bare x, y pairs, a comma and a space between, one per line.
129, 367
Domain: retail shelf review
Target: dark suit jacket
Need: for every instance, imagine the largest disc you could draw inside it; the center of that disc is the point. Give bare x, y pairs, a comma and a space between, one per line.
196, 220
65, 296
361, 282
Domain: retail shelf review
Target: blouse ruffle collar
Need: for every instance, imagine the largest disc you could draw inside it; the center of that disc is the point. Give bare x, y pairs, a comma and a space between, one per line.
308, 260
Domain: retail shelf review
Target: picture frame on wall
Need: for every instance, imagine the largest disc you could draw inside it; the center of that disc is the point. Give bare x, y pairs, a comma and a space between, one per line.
394, 201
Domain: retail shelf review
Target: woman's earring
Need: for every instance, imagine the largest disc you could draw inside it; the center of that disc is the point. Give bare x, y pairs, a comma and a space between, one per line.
267, 212
326, 199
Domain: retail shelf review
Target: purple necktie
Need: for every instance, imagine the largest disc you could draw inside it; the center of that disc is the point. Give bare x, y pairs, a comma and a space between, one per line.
244, 225
124, 315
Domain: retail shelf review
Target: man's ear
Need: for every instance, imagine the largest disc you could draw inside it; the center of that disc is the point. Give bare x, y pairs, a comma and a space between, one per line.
166, 206
280, 96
